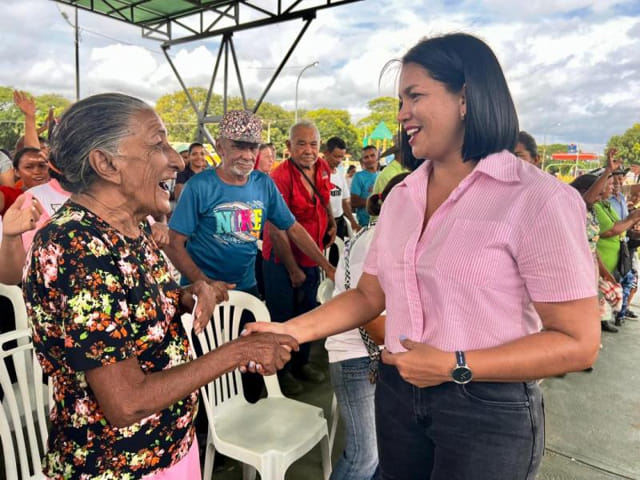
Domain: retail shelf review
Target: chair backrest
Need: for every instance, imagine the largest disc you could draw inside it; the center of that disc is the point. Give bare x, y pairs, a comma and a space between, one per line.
224, 327
14, 294
337, 244
325, 290
24, 437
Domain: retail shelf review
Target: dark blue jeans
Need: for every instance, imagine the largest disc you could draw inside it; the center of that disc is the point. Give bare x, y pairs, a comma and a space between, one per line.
478, 431
285, 302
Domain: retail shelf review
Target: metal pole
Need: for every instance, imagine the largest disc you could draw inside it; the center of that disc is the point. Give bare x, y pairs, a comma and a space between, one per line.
297, 83
77, 59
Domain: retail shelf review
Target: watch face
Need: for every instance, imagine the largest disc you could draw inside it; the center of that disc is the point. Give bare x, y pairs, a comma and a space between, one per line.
461, 375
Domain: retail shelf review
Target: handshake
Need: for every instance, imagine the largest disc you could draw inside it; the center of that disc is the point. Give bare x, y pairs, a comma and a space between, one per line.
264, 348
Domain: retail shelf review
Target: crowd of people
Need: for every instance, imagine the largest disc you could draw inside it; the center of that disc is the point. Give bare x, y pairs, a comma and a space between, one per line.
469, 274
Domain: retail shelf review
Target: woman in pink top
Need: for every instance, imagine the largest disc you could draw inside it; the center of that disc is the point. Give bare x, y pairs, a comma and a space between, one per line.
474, 253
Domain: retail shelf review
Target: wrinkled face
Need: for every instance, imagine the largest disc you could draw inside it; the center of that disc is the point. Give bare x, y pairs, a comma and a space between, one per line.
335, 157
197, 158
33, 169
525, 155
430, 114
267, 157
238, 158
370, 159
303, 146
148, 163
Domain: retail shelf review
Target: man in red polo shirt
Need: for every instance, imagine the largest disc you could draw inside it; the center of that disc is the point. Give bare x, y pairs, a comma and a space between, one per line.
290, 277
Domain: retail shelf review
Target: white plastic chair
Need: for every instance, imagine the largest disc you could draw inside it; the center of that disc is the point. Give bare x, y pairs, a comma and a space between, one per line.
325, 292
339, 244
268, 435
22, 448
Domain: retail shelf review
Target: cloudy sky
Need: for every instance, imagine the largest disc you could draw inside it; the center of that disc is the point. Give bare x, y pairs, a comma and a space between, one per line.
573, 65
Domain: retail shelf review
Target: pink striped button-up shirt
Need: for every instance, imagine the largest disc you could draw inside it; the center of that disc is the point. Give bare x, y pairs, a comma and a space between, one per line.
508, 235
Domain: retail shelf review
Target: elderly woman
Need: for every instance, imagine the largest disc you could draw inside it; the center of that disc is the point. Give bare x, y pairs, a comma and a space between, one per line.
474, 253
105, 310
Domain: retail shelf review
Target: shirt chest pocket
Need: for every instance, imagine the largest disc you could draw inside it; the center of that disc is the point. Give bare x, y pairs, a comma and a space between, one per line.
476, 252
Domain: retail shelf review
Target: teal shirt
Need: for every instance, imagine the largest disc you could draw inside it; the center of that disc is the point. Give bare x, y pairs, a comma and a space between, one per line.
362, 185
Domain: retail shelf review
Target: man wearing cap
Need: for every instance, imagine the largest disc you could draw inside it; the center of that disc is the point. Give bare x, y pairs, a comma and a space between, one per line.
334, 152
197, 162
222, 211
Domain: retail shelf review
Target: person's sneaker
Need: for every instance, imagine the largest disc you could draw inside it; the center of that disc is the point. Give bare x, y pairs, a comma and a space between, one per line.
607, 327
619, 321
311, 373
289, 385
631, 314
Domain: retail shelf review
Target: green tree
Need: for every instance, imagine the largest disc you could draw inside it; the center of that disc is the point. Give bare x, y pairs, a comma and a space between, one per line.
383, 109
336, 123
178, 115
627, 144
12, 119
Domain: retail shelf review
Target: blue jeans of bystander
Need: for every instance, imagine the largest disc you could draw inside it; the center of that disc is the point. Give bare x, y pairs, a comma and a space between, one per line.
355, 395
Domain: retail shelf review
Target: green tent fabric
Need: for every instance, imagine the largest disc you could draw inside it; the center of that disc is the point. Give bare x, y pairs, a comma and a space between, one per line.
381, 132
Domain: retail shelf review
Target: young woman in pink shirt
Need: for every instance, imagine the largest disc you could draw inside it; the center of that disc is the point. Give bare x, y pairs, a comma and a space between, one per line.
483, 266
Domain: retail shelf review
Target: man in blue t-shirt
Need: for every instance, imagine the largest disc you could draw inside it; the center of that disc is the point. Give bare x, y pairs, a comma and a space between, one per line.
215, 228
363, 182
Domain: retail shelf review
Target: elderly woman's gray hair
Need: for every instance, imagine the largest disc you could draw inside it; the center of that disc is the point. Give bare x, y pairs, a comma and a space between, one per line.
99, 122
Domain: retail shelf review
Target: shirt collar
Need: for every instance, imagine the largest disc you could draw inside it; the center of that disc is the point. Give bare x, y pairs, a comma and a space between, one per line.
503, 166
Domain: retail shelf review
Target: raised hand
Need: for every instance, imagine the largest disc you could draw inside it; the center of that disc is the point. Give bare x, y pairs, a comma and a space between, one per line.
17, 220
25, 103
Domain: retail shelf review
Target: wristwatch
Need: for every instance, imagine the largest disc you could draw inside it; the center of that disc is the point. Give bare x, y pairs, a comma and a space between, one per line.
461, 374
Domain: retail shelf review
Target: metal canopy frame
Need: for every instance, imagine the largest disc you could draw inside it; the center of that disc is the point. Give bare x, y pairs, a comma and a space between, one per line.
175, 22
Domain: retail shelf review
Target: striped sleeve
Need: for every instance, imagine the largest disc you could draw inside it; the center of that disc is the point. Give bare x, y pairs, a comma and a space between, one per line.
553, 255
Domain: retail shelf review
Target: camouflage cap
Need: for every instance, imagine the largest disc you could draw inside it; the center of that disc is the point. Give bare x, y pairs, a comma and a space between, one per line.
241, 126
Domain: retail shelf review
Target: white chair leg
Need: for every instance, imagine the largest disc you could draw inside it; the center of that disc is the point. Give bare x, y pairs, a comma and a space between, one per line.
334, 422
209, 457
325, 449
248, 472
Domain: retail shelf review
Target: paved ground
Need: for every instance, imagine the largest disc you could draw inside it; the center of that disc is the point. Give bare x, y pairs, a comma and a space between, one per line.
593, 419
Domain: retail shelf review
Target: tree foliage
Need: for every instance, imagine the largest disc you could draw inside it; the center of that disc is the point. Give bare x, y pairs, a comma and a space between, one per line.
383, 109
627, 144
336, 123
12, 120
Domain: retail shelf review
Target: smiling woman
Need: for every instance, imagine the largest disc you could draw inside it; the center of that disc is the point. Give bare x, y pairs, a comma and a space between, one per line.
474, 253
106, 311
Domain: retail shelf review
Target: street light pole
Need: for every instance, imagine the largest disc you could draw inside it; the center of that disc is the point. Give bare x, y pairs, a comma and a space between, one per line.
77, 58
77, 47
297, 83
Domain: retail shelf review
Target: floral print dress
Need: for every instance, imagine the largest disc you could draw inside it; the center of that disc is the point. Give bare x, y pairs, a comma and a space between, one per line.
96, 297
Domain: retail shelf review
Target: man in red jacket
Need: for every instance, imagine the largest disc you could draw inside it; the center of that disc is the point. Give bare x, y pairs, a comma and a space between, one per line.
291, 278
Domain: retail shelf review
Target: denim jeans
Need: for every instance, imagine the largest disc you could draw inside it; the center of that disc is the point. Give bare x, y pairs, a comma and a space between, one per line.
285, 302
477, 431
626, 282
355, 395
